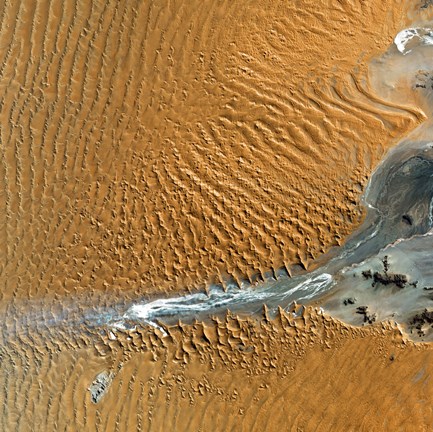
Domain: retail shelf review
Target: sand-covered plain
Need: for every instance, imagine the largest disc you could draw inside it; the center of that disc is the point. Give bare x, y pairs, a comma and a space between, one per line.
159, 146
312, 373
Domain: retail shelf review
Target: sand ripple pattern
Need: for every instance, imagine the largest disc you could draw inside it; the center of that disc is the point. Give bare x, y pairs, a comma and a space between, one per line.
156, 145
150, 146
309, 373
165, 145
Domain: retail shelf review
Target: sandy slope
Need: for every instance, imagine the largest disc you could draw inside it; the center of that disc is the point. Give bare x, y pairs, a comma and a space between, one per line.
162, 145
309, 374
149, 146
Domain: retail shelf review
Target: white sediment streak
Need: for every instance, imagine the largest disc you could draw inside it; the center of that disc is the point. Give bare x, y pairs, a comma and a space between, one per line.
424, 36
430, 217
191, 305
313, 285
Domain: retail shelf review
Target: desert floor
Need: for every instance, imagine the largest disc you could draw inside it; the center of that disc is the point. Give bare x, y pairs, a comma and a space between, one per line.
163, 146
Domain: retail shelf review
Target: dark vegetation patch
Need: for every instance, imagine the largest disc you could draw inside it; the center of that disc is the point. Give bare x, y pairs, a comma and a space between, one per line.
368, 317
419, 320
386, 278
349, 301
407, 219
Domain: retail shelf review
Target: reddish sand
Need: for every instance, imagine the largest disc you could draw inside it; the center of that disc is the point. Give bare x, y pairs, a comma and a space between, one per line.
162, 146
157, 146
309, 374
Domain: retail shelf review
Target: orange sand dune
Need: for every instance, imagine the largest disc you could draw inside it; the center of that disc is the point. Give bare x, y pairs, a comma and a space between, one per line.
155, 146
305, 374
164, 145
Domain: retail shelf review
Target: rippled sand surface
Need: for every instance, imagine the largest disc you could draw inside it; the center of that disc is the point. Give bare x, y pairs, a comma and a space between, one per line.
309, 373
153, 147
165, 145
